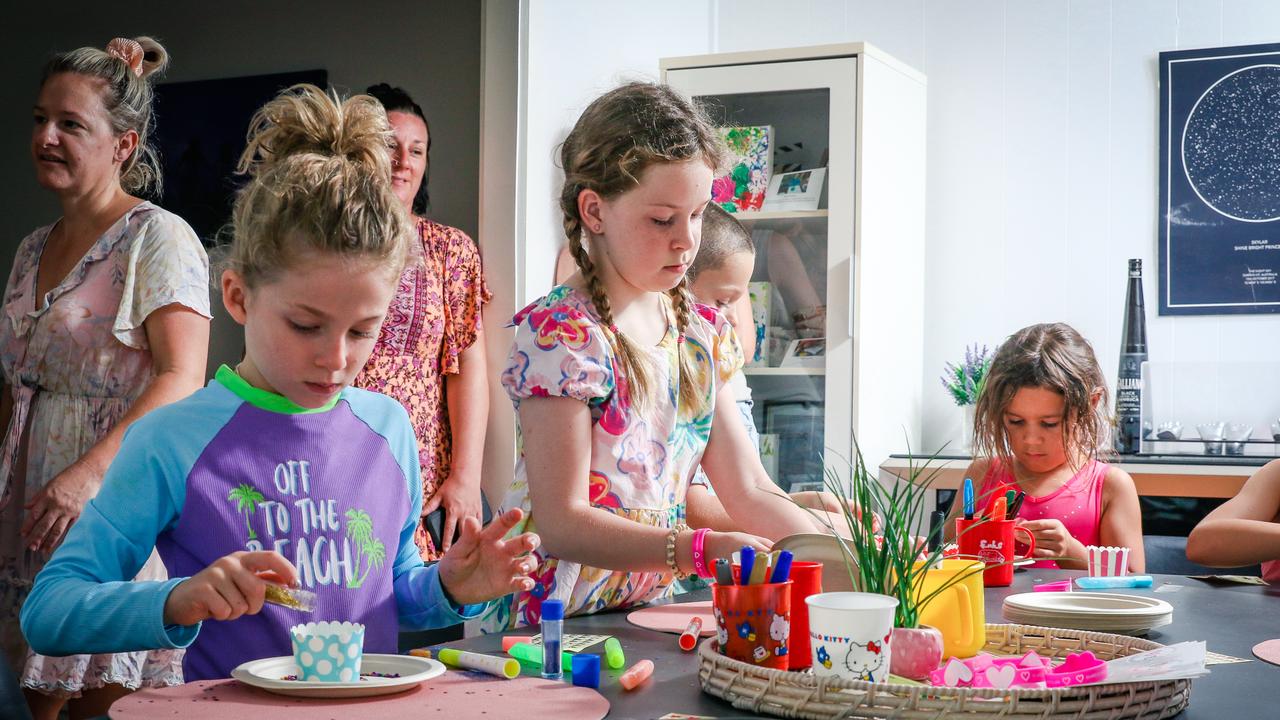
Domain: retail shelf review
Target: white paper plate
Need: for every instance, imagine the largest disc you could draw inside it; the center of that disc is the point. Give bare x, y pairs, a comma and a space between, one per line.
1088, 603
1102, 612
268, 673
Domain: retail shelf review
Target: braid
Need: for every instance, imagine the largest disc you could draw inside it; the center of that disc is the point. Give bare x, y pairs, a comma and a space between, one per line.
635, 369
691, 401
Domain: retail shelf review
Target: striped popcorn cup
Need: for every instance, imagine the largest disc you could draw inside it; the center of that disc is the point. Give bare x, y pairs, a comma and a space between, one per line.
1108, 561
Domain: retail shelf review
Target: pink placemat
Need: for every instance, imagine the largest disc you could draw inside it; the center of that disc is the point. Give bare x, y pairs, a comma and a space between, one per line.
1269, 651
454, 694
674, 618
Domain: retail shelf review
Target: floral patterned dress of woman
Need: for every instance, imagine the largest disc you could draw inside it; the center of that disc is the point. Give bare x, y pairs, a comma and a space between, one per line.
74, 362
434, 317
640, 463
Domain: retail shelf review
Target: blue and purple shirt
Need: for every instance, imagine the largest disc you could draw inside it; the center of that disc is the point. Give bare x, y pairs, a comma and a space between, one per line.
233, 467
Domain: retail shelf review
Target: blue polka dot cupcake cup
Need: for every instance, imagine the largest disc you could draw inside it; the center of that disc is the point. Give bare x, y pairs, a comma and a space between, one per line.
328, 651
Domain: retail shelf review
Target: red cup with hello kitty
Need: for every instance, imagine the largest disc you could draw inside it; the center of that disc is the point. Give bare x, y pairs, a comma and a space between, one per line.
753, 622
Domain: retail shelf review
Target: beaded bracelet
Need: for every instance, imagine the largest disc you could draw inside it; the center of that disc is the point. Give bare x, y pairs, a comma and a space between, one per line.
699, 553
671, 551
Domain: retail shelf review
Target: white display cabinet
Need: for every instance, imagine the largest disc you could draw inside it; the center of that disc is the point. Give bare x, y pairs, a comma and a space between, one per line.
852, 270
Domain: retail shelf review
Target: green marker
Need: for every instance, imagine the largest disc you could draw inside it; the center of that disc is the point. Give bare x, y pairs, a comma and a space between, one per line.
613, 653
524, 652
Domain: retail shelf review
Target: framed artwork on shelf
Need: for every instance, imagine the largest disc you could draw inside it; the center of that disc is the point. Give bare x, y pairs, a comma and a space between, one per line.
760, 295
800, 190
742, 189
806, 352
1219, 213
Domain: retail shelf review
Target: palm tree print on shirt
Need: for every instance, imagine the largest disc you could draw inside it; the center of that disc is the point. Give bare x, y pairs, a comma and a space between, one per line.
246, 498
360, 531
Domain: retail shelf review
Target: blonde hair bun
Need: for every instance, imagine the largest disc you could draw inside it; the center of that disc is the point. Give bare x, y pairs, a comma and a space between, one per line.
303, 119
154, 57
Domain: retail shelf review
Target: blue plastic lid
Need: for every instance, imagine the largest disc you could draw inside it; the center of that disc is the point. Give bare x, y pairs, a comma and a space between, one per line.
552, 610
586, 670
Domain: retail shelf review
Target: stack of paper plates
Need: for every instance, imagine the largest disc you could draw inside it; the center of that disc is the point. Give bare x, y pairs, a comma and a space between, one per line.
1102, 612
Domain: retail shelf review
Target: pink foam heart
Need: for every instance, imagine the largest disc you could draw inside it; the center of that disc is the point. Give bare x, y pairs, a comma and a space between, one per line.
956, 672
1001, 676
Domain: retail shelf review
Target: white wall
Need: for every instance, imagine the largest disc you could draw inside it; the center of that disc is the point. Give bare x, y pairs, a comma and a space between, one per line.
1042, 137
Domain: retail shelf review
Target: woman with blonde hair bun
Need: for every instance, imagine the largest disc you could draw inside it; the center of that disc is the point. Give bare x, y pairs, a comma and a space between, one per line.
105, 317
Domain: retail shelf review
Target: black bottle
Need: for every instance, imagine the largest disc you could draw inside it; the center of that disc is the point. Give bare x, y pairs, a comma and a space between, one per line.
1133, 352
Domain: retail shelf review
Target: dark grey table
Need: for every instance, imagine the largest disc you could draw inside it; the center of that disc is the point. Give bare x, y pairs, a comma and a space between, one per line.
1231, 619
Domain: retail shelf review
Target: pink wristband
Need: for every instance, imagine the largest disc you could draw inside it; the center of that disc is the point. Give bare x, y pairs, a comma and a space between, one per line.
699, 553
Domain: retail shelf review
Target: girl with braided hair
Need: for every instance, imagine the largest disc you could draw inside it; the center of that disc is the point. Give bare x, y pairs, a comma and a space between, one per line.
620, 381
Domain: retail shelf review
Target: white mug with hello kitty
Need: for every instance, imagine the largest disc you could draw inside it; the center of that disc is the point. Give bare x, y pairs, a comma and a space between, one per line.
850, 633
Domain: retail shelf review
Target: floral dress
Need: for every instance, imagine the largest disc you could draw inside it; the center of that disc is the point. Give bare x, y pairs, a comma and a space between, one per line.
640, 464
74, 362
434, 317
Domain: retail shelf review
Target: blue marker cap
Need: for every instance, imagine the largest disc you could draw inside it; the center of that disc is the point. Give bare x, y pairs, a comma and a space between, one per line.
552, 610
586, 670
748, 562
968, 499
782, 571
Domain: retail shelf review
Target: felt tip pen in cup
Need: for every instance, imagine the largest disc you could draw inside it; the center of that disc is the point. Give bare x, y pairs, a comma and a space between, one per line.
613, 654
724, 573
508, 668
748, 564
689, 638
759, 571
999, 509
1017, 504
782, 570
967, 498
532, 654
636, 674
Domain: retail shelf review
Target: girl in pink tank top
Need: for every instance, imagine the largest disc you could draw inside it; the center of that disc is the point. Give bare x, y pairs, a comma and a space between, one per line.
1040, 424
1077, 503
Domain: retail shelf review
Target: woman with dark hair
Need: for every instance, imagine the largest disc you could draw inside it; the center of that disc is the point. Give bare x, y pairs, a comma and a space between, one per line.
430, 352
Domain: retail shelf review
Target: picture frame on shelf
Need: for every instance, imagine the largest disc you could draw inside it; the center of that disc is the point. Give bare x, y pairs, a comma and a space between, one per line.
760, 295
805, 352
742, 188
799, 190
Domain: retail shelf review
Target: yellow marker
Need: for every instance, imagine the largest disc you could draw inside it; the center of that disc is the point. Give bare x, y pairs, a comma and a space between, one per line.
508, 668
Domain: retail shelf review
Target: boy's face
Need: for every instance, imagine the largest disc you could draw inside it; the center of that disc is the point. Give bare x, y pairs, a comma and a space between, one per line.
309, 331
723, 286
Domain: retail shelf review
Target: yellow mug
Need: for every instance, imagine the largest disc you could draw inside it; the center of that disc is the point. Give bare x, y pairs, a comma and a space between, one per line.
958, 611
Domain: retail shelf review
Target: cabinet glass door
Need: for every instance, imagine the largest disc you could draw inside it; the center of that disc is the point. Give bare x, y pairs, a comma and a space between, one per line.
800, 375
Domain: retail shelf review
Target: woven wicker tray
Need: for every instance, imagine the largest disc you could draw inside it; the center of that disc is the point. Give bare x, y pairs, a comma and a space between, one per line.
802, 695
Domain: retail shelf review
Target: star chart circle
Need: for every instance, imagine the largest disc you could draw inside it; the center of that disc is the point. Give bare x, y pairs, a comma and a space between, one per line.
1231, 145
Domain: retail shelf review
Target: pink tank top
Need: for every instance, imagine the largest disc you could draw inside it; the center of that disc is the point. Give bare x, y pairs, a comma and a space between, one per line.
1078, 503
1271, 571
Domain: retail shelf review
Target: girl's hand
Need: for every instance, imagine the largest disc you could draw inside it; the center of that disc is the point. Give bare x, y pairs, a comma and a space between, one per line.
1053, 540
234, 585
52, 511
725, 544
460, 500
482, 565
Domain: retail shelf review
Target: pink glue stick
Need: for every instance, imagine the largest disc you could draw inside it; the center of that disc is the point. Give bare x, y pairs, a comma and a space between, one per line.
689, 638
636, 674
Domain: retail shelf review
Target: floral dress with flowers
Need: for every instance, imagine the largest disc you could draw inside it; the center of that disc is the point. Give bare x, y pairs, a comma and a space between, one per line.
640, 463
74, 362
434, 317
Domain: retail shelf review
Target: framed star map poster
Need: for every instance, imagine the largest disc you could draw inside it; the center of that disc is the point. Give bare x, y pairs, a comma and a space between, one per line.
1219, 211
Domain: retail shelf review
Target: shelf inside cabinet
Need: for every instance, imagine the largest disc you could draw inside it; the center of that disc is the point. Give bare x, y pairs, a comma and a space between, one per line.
784, 371
750, 218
